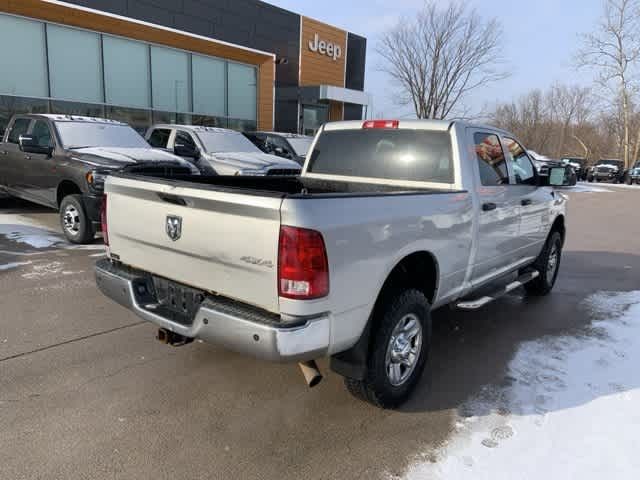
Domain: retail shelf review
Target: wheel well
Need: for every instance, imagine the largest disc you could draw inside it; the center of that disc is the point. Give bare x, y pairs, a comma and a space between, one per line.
418, 270
66, 187
558, 226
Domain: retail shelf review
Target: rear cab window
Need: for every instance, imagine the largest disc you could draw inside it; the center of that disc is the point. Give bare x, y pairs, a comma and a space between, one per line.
389, 154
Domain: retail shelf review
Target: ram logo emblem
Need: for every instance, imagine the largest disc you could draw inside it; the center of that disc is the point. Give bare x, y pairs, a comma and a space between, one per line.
174, 227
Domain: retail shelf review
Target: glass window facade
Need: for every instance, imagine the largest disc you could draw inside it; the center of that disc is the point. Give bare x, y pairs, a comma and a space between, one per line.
170, 79
49, 68
209, 85
75, 64
23, 62
126, 72
243, 82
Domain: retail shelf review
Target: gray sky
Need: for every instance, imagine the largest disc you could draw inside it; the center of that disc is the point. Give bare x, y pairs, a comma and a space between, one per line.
540, 40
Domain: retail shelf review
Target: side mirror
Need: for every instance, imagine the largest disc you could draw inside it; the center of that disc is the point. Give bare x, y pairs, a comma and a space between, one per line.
185, 151
29, 144
562, 177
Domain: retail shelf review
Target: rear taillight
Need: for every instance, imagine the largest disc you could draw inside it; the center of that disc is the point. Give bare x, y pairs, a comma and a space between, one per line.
381, 124
303, 269
103, 220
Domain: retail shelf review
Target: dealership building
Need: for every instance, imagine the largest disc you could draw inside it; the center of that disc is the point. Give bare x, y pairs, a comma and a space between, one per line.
241, 64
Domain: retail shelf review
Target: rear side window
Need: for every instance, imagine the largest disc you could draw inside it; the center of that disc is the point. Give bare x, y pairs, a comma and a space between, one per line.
414, 155
159, 138
20, 127
491, 160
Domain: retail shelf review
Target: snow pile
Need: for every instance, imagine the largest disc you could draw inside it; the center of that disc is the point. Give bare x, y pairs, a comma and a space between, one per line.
568, 408
586, 188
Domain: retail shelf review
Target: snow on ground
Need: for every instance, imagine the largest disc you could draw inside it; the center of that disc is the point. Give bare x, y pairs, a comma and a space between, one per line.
568, 408
583, 187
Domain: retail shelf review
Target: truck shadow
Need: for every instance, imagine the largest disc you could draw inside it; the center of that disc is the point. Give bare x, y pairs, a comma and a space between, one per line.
471, 352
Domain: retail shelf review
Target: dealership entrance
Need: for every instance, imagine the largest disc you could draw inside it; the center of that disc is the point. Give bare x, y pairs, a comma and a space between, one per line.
313, 117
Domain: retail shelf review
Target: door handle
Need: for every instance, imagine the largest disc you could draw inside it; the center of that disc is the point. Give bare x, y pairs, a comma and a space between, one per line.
526, 201
27, 157
173, 199
3, 152
487, 207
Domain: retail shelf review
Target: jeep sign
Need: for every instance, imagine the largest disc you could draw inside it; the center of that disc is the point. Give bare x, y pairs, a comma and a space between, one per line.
325, 48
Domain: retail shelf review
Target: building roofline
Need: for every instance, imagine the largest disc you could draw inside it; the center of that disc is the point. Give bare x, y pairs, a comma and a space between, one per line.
158, 26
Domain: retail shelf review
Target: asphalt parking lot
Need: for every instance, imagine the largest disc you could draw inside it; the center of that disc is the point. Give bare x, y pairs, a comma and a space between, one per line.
86, 391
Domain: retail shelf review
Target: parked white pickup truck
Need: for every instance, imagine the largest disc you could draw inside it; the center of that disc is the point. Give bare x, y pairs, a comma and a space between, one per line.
388, 221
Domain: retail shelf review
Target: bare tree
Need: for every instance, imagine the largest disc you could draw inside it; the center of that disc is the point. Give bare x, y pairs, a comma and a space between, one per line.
613, 50
440, 56
568, 105
557, 122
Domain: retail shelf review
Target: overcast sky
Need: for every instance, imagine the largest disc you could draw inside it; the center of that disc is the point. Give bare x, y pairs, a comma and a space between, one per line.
540, 39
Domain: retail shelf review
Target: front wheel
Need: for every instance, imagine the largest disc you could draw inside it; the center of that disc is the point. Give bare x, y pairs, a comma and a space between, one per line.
398, 352
75, 223
547, 264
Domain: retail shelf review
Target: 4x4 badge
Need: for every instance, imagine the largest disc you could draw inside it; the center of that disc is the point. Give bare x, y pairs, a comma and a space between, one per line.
174, 227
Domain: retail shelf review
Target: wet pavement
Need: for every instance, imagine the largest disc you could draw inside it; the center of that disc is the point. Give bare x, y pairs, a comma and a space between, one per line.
86, 391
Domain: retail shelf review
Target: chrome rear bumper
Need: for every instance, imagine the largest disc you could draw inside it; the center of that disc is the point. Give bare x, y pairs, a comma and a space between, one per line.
241, 332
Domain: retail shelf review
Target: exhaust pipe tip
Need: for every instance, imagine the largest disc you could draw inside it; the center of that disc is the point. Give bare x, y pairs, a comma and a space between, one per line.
311, 373
163, 336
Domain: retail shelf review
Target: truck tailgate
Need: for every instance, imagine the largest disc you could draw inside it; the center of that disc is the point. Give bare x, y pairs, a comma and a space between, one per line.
228, 242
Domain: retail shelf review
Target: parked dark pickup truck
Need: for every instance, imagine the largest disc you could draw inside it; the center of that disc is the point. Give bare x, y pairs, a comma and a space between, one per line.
61, 161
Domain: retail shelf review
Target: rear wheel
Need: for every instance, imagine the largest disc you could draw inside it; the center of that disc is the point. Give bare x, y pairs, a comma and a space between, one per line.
75, 223
547, 264
398, 352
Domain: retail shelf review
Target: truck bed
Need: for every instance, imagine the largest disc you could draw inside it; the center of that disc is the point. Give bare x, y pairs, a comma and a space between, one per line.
291, 187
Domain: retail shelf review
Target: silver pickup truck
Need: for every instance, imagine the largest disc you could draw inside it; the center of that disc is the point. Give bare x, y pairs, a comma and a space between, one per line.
388, 221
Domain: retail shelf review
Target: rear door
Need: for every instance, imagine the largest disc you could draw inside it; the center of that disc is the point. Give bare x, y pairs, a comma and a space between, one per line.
499, 216
217, 241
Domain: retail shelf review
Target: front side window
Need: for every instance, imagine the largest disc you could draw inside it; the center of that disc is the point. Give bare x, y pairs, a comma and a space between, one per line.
183, 138
160, 138
84, 135
491, 160
277, 142
520, 163
394, 154
20, 127
42, 133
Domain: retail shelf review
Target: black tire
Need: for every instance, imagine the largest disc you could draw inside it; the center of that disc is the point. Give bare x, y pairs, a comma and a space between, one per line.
544, 283
72, 210
590, 179
628, 180
377, 388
